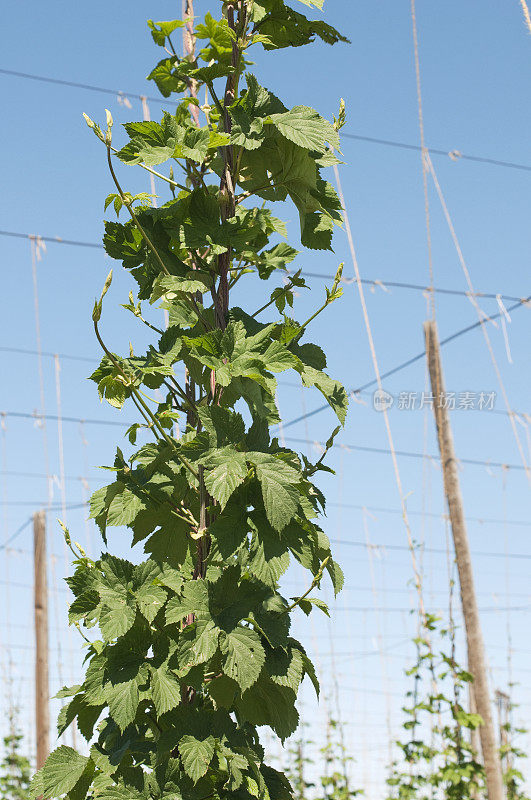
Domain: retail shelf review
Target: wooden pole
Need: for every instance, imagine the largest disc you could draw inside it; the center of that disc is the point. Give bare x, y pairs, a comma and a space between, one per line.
42, 711
476, 654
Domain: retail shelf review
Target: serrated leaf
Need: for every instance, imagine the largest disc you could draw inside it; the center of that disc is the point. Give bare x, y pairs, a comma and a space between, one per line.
286, 668
36, 787
150, 599
194, 600
124, 508
62, 771
278, 358
268, 555
196, 755
123, 699
197, 644
170, 543
333, 391
267, 703
309, 670
244, 654
171, 286
166, 690
316, 230
336, 575
223, 479
67, 691
276, 478
308, 603
161, 30
222, 690
115, 622
306, 128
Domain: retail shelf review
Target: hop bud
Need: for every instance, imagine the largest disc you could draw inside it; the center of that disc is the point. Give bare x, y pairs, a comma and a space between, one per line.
342, 116
106, 285
89, 121
65, 530
109, 118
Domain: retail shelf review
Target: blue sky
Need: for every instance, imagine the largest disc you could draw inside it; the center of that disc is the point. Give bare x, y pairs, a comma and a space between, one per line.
475, 75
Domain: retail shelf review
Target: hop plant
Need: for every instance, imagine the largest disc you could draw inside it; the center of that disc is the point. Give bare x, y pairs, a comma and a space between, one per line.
15, 768
189, 651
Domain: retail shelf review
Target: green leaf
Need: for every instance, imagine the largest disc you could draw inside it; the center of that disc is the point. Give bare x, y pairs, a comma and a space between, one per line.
333, 391
316, 231
115, 622
250, 113
336, 575
67, 691
36, 787
150, 599
124, 507
244, 654
268, 554
277, 358
171, 286
160, 31
222, 690
223, 425
285, 27
209, 74
230, 528
306, 128
197, 644
166, 690
281, 498
63, 769
286, 667
267, 703
196, 755
308, 603
170, 543
123, 699
309, 670
269, 260
194, 600
226, 476
167, 77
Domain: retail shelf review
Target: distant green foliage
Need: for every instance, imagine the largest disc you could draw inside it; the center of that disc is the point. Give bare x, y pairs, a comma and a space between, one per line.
512, 755
334, 774
329, 768
298, 764
194, 648
15, 768
437, 757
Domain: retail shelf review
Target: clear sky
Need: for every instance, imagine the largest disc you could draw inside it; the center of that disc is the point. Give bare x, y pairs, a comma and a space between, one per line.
475, 79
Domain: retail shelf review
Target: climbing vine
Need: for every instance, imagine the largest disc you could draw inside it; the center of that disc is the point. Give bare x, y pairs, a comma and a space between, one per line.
437, 755
329, 767
189, 651
15, 768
